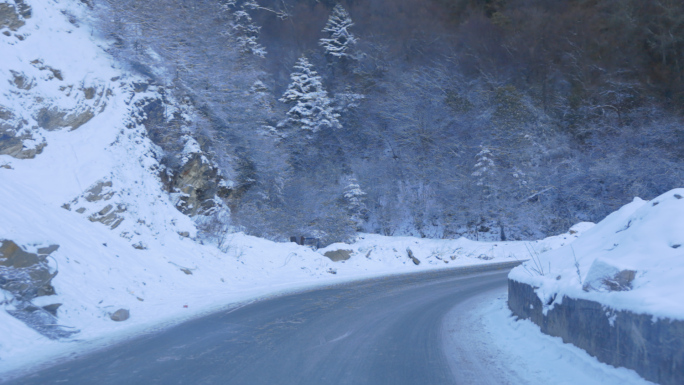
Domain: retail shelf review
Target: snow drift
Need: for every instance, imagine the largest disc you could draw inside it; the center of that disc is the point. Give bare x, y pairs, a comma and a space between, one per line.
632, 260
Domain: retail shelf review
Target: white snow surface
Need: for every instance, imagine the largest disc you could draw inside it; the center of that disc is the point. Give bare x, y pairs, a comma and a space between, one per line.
643, 236
508, 350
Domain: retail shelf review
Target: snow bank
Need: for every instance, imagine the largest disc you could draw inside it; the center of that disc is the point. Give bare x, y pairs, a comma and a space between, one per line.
632, 260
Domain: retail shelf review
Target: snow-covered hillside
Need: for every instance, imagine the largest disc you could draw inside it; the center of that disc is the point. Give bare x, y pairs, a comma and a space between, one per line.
632, 260
78, 171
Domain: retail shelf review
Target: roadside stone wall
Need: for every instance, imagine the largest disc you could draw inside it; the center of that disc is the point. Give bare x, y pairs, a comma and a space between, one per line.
655, 350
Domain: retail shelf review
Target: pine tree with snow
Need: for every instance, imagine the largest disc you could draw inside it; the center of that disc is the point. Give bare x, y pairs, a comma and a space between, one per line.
339, 38
354, 198
246, 32
484, 170
312, 108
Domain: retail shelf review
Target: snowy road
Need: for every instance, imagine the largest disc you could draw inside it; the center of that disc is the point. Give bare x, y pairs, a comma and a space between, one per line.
380, 331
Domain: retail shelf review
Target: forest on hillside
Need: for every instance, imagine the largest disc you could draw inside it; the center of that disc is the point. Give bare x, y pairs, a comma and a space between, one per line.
491, 119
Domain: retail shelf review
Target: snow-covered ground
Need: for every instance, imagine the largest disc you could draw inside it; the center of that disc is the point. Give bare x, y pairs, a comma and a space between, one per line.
632, 260
93, 188
515, 351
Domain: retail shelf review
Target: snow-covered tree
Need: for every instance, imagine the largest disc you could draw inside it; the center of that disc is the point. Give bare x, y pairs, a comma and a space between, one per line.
484, 170
339, 38
246, 32
354, 198
312, 108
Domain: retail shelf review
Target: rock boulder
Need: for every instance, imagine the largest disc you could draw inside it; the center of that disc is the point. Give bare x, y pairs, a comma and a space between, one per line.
338, 255
120, 315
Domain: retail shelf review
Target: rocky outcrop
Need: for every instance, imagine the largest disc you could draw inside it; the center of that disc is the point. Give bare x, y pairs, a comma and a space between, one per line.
25, 276
15, 141
189, 174
110, 215
654, 348
21, 81
197, 183
54, 119
52, 73
22, 127
24, 9
12, 17
96, 203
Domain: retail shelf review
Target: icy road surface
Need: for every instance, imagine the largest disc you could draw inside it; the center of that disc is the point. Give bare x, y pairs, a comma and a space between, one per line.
390, 330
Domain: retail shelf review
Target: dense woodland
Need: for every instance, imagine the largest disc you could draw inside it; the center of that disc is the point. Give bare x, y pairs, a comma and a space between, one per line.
437, 118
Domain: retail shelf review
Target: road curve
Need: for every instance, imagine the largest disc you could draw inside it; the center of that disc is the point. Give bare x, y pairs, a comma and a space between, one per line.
378, 331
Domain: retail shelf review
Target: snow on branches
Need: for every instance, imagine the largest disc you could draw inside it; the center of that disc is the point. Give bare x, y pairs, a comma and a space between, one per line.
312, 109
246, 32
339, 38
355, 197
484, 170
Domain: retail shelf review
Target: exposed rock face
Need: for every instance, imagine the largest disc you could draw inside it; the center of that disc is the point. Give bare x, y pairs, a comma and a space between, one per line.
24, 9
25, 275
53, 73
53, 119
654, 349
101, 190
109, 216
198, 183
14, 141
338, 255
120, 315
191, 176
22, 130
101, 193
11, 17
21, 81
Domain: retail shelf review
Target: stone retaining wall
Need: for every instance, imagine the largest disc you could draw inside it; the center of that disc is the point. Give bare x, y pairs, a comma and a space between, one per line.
655, 350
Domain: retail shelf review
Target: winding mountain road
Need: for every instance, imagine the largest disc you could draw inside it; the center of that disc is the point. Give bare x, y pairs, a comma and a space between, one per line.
379, 331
